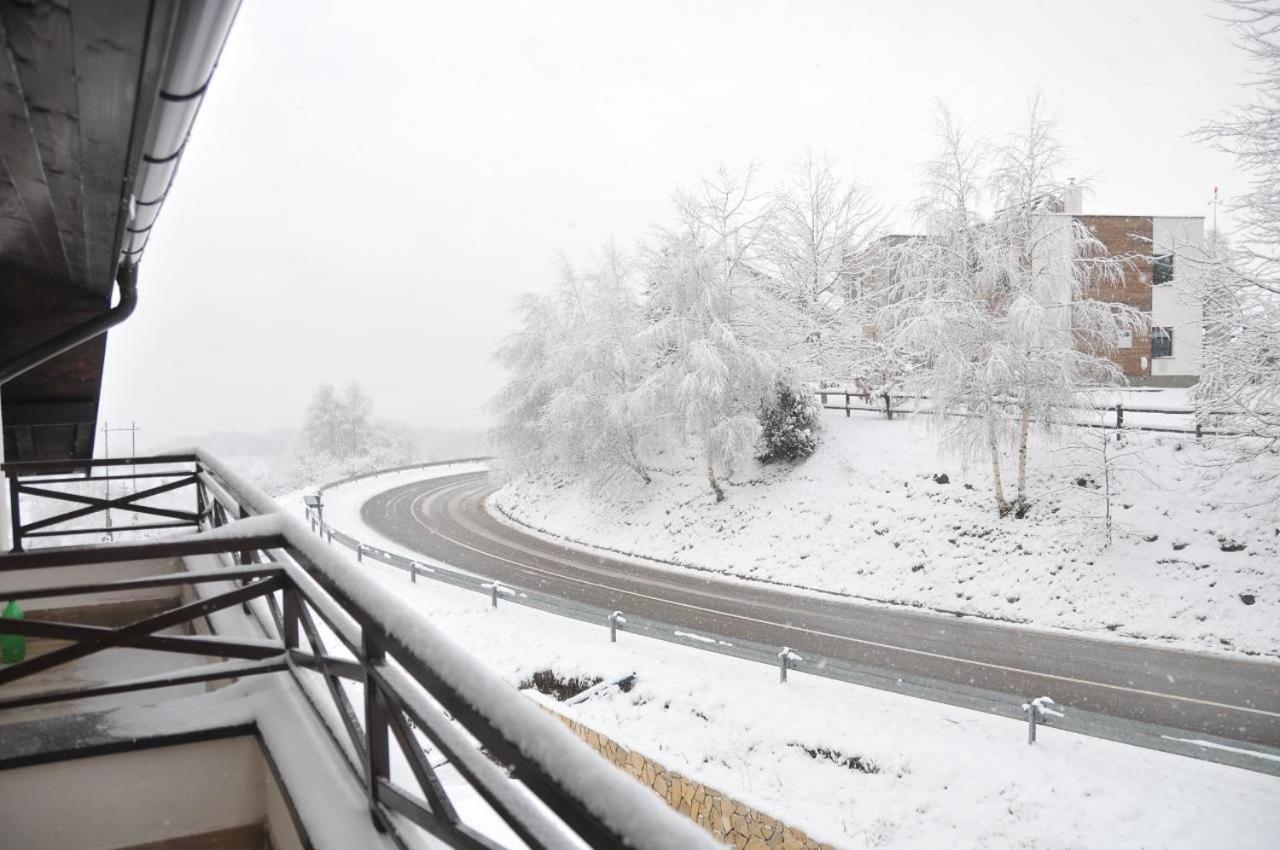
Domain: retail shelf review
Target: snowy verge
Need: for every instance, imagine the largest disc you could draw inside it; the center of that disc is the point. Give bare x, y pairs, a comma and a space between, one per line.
882, 514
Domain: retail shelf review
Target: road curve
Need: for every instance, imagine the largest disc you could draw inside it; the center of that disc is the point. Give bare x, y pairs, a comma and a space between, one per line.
1237, 699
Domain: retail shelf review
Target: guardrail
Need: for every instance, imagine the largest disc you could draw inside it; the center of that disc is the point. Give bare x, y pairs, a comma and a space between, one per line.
537, 777
612, 622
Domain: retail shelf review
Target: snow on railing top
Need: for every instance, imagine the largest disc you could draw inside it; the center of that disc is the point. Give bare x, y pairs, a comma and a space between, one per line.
616, 800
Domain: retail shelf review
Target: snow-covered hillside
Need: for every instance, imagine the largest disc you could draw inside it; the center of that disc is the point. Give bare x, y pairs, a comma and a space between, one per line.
852, 766
879, 512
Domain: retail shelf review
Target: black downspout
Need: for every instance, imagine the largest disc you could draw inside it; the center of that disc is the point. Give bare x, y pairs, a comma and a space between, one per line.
127, 281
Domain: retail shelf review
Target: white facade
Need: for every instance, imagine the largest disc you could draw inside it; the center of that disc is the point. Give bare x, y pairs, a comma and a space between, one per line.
1174, 306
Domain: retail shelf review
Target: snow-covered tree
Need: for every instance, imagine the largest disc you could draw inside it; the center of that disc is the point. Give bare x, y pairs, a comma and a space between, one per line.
531, 358
996, 306
788, 425
815, 248
575, 366
594, 418
1050, 265
1239, 388
322, 425
710, 378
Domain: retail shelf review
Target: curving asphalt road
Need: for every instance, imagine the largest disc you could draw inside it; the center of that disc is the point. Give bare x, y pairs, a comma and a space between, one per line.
1209, 695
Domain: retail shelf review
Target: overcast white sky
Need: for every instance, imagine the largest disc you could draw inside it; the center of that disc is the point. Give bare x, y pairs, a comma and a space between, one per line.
370, 184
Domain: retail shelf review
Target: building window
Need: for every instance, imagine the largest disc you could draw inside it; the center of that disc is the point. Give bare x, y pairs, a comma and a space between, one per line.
1162, 269
1162, 342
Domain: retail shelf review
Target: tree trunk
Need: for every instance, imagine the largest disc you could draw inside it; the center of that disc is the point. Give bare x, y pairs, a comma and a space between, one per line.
1024, 431
1002, 506
711, 478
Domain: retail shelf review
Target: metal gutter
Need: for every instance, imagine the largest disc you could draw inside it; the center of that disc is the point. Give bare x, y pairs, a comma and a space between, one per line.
198, 37
127, 281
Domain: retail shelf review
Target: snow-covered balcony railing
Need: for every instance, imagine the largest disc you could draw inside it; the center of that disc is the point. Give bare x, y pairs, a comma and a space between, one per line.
375, 672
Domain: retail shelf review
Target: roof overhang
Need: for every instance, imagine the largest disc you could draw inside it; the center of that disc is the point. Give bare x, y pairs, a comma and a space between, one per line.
85, 108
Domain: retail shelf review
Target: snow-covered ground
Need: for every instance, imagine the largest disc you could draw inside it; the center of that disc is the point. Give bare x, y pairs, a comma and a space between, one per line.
938, 776
881, 513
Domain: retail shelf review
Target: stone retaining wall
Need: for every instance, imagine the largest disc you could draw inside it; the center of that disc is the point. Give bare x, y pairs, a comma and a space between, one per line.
728, 820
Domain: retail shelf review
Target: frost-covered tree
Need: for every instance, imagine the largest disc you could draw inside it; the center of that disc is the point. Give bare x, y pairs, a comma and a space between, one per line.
576, 365
594, 418
815, 247
996, 306
710, 375
354, 426
1050, 266
322, 425
531, 358
1239, 388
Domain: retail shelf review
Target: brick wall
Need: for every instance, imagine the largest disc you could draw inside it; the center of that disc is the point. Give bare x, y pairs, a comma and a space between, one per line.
735, 824
1123, 234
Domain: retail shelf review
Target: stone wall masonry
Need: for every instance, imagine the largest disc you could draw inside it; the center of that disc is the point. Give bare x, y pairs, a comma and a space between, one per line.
734, 823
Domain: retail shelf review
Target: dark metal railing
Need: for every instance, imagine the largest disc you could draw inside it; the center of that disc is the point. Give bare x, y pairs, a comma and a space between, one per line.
412, 681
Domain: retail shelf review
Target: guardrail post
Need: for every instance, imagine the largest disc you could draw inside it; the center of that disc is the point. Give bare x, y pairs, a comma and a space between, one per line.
494, 594
615, 619
784, 660
330, 531
1035, 710
413, 572
359, 553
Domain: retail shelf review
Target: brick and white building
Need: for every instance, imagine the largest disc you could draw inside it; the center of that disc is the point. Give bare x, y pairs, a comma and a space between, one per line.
1158, 283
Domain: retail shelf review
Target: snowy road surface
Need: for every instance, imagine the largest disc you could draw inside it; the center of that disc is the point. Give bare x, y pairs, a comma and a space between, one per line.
1237, 699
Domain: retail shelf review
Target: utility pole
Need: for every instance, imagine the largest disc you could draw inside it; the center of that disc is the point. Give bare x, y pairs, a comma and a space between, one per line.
1214, 203
106, 452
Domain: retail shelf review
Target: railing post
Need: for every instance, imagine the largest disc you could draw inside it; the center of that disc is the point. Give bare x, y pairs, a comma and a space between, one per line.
290, 616
359, 552
1119, 416
847, 409
199, 497
246, 557
615, 619
888, 406
15, 513
377, 749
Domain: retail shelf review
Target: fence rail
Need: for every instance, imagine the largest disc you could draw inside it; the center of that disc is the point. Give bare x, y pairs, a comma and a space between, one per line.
886, 404
302, 593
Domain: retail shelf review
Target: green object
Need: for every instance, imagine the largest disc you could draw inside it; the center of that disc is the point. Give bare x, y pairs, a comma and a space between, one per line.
13, 648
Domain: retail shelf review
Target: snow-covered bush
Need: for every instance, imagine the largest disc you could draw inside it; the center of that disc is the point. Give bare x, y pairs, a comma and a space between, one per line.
788, 425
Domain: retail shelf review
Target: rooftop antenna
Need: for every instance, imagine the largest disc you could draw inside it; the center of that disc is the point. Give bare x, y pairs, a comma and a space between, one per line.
1214, 203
